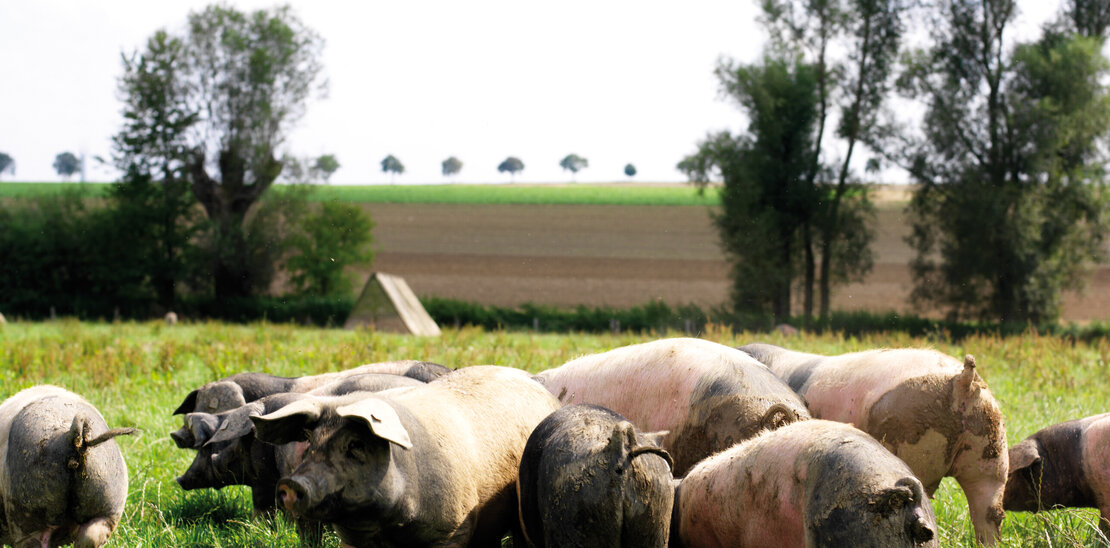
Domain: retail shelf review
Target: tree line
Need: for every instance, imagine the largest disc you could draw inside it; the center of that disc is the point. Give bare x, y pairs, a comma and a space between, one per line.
1010, 206
194, 214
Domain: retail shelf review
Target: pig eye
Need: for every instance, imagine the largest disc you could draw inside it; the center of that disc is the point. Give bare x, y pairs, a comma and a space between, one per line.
355, 447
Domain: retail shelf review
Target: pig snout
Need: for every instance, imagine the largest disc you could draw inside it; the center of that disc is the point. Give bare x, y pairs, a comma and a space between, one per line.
292, 494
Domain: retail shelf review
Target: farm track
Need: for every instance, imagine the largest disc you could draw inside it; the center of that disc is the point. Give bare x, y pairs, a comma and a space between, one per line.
617, 256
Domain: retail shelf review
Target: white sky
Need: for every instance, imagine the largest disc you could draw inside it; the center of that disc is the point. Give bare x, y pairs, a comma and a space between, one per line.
616, 82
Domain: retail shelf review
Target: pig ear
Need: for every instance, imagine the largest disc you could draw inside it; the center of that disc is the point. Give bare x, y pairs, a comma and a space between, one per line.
892, 499
290, 423
380, 417
968, 376
188, 405
656, 437
236, 424
1024, 455
201, 426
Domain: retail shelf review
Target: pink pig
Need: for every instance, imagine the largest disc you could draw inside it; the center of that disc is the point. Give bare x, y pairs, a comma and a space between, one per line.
1063, 465
927, 408
707, 395
808, 484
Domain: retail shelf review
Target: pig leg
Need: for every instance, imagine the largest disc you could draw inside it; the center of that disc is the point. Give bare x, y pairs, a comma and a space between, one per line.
94, 533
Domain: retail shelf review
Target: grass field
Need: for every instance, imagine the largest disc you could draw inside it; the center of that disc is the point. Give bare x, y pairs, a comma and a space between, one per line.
138, 373
574, 194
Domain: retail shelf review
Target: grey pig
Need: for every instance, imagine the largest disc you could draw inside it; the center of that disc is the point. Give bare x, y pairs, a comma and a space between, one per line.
588, 477
62, 477
434, 465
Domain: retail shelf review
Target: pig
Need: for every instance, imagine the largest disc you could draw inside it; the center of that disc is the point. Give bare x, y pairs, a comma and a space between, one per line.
1063, 465
588, 477
930, 410
232, 456
62, 476
812, 483
239, 389
434, 465
706, 395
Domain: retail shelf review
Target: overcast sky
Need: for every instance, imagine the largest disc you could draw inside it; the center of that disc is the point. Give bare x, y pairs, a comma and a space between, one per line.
616, 82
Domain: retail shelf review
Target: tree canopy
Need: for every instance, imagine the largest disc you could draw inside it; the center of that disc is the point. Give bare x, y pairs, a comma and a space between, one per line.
451, 166
511, 165
7, 163
66, 164
392, 166
630, 170
326, 166
573, 163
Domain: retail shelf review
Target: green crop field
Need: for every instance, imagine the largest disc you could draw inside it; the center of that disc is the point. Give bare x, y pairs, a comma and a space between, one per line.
577, 194
138, 373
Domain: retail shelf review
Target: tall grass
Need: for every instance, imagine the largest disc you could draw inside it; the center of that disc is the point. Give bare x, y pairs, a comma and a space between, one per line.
137, 373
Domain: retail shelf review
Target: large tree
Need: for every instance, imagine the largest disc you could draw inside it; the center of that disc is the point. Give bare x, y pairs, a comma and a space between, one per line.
153, 198
511, 165
325, 166
250, 75
766, 196
1011, 205
392, 166
573, 163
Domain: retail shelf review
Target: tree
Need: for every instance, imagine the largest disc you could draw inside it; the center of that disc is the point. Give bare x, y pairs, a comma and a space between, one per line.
630, 170
1011, 204
7, 163
869, 32
326, 166
251, 76
66, 164
294, 169
573, 163
331, 238
765, 195
511, 165
152, 201
451, 166
392, 166
1089, 18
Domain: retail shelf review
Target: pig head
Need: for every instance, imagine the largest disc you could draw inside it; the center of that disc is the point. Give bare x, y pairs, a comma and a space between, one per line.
1062, 465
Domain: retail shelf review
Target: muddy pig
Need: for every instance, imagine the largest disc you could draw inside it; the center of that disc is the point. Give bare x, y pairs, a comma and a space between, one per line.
1063, 465
927, 408
434, 465
814, 483
708, 396
588, 477
234, 391
232, 456
62, 477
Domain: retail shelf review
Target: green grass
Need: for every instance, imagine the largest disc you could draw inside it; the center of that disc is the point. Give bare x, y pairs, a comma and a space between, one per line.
577, 194
137, 373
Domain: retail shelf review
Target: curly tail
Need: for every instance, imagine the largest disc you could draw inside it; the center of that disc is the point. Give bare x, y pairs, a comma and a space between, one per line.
777, 416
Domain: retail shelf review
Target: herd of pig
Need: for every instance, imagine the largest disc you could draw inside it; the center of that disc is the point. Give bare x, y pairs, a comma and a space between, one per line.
679, 442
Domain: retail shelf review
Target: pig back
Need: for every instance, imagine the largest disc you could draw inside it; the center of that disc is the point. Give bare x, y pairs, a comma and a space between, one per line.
708, 396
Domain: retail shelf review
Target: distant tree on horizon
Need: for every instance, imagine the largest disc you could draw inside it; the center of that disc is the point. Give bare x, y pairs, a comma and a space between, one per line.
451, 166
392, 166
325, 166
573, 163
294, 169
630, 170
66, 164
7, 163
511, 165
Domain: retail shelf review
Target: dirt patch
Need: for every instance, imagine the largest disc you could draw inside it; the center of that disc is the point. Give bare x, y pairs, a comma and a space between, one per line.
616, 256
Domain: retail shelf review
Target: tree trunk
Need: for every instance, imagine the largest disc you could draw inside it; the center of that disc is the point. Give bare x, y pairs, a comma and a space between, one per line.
807, 241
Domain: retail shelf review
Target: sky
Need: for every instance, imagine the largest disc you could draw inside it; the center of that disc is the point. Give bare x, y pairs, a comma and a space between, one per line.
616, 82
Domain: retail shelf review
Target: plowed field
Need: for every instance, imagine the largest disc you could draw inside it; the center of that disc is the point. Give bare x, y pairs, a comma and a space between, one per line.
613, 255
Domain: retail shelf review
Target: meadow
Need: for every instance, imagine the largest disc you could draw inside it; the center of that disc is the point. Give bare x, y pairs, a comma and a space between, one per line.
551, 194
137, 373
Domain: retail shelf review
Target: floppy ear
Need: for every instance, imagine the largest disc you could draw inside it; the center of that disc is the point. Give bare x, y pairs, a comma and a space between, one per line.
220, 396
1024, 455
187, 406
236, 423
290, 423
380, 417
201, 426
183, 438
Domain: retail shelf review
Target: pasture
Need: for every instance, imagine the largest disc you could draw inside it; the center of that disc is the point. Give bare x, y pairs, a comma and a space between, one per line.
137, 373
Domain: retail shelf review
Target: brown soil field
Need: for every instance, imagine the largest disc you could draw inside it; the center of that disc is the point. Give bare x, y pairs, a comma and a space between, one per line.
617, 256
